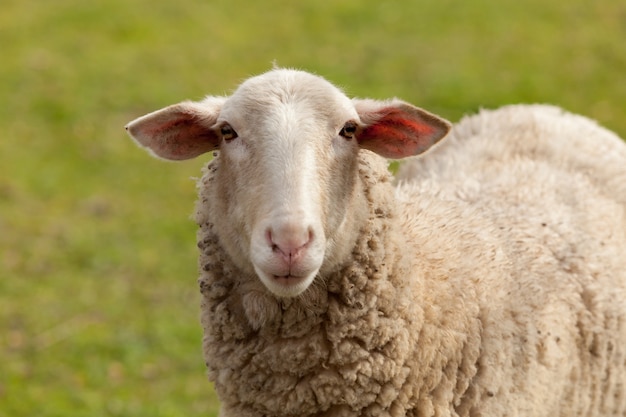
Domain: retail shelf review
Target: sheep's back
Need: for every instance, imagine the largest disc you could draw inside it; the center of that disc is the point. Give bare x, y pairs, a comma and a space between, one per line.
528, 203
563, 140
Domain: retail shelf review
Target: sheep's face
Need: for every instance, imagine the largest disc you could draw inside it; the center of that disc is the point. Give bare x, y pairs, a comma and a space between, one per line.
287, 171
286, 196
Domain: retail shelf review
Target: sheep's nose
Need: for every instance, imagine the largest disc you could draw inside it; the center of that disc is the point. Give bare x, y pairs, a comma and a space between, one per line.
289, 240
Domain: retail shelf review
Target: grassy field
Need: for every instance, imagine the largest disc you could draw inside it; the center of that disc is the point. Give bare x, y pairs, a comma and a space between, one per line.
98, 297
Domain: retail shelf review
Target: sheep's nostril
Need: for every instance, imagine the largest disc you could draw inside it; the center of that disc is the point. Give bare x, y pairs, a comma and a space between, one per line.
270, 241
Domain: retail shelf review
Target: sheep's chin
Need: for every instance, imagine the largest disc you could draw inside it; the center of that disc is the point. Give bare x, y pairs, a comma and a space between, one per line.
286, 287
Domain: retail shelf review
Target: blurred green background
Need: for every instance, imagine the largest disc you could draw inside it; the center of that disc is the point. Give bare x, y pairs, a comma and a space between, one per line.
98, 297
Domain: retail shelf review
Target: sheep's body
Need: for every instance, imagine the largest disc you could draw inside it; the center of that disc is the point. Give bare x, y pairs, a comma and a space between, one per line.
538, 196
489, 282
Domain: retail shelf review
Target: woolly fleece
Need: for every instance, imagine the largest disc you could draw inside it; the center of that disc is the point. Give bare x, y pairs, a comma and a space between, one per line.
489, 282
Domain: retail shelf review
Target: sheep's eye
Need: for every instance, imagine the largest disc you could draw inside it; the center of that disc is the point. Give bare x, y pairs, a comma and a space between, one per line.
348, 130
228, 133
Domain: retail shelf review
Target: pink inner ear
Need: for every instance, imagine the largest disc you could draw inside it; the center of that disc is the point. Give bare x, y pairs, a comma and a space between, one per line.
393, 121
396, 136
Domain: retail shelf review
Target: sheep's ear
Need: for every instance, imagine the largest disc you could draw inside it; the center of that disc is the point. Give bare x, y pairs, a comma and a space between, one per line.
395, 129
178, 132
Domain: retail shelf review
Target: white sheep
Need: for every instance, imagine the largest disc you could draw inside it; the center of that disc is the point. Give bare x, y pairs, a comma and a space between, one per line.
489, 282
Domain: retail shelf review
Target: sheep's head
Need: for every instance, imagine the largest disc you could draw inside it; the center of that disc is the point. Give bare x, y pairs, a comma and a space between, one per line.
287, 181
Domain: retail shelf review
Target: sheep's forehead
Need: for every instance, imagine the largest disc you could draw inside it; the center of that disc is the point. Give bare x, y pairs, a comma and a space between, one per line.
284, 96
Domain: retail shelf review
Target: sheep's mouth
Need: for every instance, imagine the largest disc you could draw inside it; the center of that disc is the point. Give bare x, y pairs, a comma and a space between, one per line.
287, 280
286, 283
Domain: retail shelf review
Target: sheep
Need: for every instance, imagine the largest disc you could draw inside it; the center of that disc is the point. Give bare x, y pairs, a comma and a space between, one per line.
487, 279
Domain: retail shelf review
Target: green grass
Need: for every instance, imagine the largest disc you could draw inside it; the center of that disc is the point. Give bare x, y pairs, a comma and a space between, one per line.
98, 299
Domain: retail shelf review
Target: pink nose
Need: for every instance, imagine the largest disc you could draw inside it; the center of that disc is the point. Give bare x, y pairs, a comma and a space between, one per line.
289, 240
